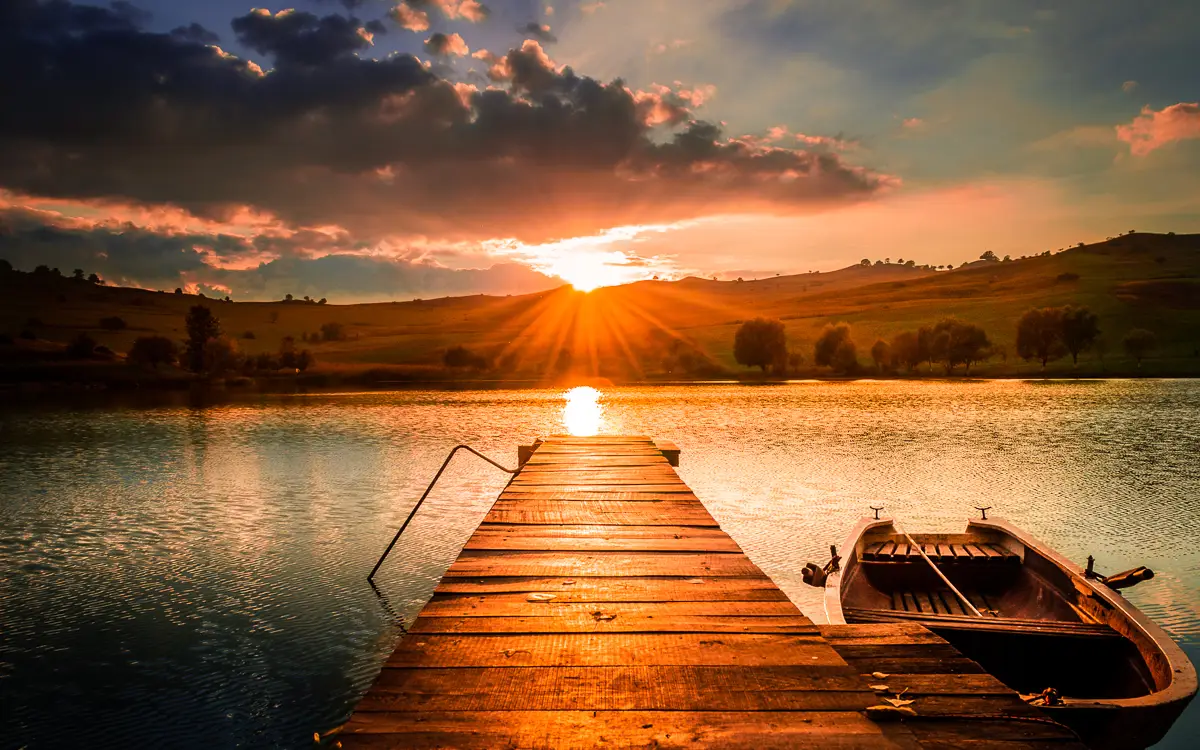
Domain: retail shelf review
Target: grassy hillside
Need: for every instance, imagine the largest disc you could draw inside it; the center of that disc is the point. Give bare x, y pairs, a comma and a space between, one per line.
664, 329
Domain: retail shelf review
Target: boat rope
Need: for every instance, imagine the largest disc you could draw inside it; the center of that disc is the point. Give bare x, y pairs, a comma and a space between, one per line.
938, 570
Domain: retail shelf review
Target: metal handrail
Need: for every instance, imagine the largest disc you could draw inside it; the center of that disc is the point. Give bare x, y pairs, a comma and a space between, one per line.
428, 489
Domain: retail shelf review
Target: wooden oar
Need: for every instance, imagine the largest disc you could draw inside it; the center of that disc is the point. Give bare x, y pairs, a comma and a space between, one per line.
938, 570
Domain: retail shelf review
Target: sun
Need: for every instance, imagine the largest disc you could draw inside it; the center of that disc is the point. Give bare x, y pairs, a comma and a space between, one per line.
591, 270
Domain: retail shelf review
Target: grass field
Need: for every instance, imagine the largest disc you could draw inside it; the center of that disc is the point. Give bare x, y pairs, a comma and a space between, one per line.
653, 329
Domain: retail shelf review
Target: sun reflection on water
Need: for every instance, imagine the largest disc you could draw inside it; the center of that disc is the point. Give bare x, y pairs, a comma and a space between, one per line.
583, 413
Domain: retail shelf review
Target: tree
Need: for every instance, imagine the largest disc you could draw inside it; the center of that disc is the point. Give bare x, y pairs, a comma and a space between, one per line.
322, 301
910, 263
332, 332
202, 327
5, 266
1138, 343
881, 354
221, 355
835, 349
77, 275
957, 343
461, 356
1080, 329
1100, 346
81, 347
865, 262
1039, 335
178, 290
905, 352
152, 351
925, 345
760, 343
287, 353
94, 279
287, 298
305, 360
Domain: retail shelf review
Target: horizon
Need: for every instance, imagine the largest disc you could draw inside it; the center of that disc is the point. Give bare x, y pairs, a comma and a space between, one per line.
369, 151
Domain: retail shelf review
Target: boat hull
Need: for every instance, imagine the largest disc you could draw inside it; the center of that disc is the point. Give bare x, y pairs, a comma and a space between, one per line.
1028, 616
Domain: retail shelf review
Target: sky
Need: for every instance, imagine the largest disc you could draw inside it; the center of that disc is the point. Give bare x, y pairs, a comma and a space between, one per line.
366, 150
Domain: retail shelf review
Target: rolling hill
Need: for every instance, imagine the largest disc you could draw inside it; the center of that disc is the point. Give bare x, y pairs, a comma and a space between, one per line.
658, 329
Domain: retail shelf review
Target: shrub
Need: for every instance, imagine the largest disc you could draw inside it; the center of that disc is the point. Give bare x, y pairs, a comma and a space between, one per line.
113, 323
81, 347
152, 351
761, 343
461, 356
333, 332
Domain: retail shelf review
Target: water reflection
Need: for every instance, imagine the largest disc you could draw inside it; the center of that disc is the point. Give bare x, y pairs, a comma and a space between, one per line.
583, 414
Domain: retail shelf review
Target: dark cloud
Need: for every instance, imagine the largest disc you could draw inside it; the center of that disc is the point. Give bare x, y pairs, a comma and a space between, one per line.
299, 38
446, 44
538, 31
379, 147
129, 255
194, 32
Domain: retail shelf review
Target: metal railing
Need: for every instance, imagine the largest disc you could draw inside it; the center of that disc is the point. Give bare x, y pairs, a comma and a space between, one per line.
428, 489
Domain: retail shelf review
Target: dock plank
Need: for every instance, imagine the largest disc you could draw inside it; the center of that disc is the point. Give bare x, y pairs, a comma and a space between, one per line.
600, 604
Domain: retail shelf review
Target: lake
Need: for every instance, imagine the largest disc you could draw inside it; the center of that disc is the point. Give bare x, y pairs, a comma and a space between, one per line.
194, 574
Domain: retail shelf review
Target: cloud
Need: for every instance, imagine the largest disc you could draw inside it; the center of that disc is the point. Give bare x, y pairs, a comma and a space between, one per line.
467, 10
538, 31
299, 38
380, 147
409, 18
1154, 129
442, 44
262, 266
1129, 86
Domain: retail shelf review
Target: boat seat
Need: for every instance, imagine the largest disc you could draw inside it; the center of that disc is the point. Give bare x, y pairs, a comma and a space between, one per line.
891, 551
988, 623
941, 602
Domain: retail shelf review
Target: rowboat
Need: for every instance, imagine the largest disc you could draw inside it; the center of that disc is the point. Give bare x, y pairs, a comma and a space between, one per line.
1035, 620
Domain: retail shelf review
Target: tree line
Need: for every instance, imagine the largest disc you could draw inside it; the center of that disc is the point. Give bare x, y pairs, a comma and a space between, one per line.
207, 351
1043, 335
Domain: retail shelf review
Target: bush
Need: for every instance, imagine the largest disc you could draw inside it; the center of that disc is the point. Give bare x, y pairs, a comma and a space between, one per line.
461, 356
761, 343
113, 323
81, 347
152, 351
836, 350
333, 332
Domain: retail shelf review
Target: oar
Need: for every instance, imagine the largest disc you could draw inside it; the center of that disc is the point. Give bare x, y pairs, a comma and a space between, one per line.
938, 570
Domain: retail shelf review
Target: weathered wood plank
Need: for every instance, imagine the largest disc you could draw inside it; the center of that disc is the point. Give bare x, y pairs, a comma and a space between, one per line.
670, 688
623, 588
472, 563
613, 649
615, 513
489, 605
598, 621
598, 538
665, 730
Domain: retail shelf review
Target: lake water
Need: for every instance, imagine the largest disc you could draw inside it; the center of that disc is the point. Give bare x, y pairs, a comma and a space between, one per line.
194, 575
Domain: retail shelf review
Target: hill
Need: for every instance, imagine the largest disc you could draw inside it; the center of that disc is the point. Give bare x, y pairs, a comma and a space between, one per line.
655, 329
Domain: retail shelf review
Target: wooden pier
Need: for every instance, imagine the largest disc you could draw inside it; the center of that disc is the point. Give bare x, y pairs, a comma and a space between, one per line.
600, 605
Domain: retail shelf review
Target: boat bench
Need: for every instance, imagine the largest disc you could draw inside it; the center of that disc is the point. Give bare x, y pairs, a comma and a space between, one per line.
903, 551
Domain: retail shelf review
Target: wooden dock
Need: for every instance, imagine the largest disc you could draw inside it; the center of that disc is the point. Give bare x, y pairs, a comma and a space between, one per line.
600, 605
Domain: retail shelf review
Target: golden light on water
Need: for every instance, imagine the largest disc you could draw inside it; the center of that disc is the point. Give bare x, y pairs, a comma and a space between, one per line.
582, 413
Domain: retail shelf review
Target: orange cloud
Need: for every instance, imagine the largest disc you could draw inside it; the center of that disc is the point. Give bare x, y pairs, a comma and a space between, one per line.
1151, 130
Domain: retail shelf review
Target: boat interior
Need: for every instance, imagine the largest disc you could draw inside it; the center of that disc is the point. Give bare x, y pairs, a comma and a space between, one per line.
1026, 604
